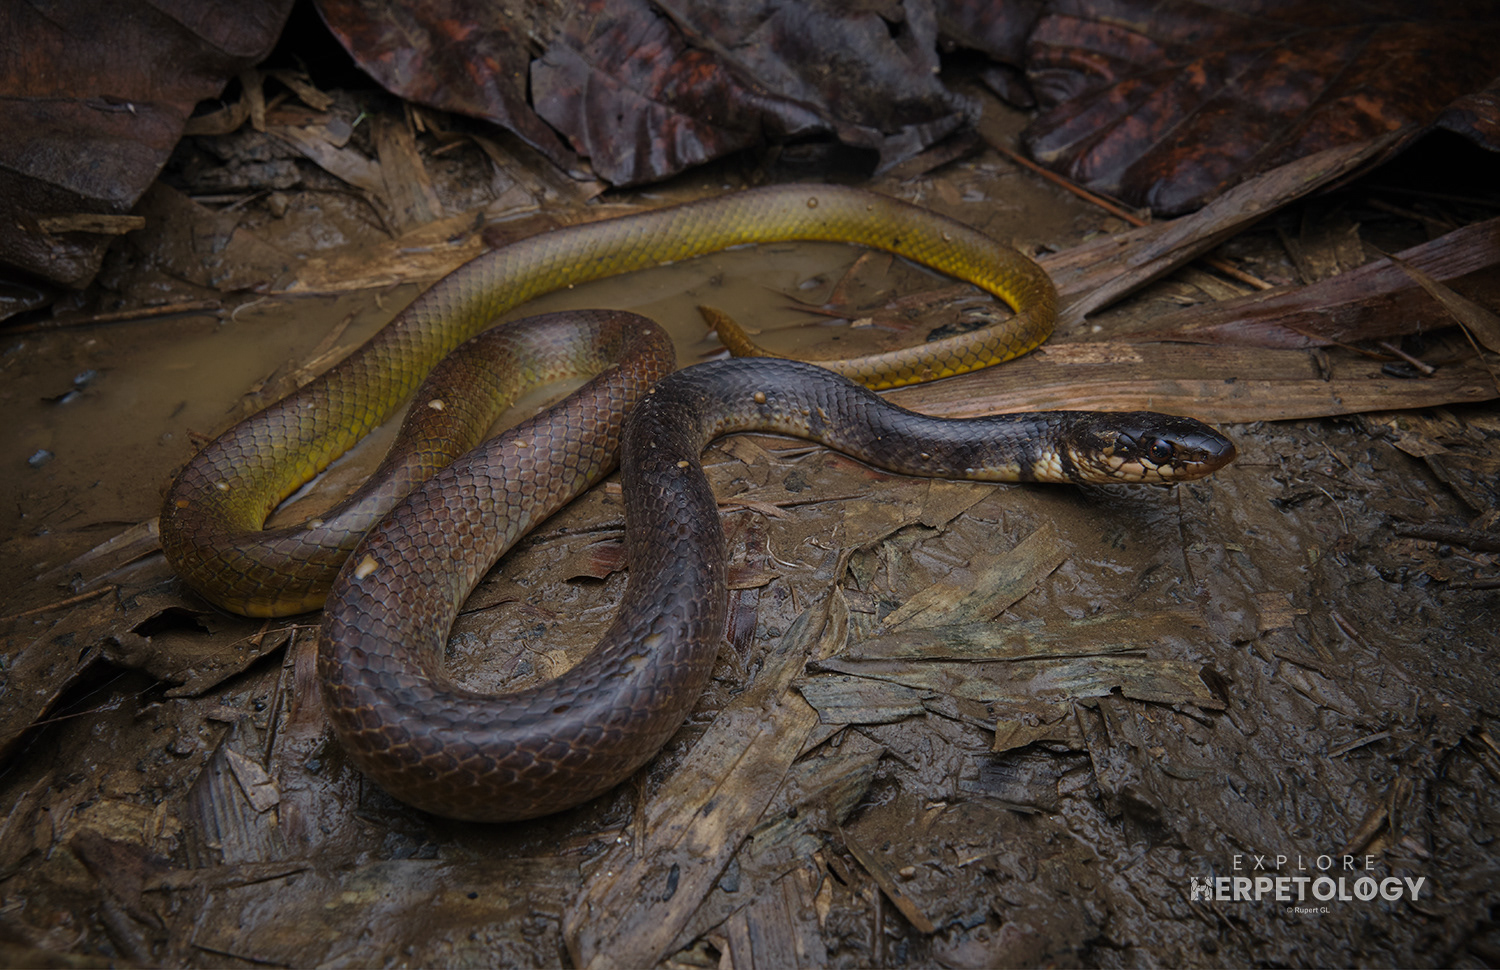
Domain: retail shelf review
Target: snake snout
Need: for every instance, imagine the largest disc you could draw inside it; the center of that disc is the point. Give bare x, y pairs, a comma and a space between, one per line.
1145, 447
1211, 450
1174, 449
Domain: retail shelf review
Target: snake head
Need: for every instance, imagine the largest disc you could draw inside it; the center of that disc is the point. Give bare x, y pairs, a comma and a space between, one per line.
1146, 448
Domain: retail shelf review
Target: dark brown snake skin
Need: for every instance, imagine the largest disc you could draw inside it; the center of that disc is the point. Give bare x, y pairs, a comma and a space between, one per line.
514, 756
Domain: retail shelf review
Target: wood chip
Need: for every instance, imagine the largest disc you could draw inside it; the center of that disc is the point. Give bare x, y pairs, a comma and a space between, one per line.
406, 186
997, 582
258, 786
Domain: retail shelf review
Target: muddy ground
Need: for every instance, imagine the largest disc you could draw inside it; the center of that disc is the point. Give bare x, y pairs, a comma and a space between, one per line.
958, 724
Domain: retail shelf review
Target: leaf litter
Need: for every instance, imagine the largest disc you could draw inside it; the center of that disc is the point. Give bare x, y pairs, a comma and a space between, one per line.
954, 723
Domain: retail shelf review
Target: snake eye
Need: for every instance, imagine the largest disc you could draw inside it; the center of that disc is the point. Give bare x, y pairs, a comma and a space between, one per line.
1160, 451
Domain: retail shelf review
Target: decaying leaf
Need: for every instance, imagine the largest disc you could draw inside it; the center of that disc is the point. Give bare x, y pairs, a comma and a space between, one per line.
1476, 116
93, 97
1163, 105
646, 94
1101, 634
457, 55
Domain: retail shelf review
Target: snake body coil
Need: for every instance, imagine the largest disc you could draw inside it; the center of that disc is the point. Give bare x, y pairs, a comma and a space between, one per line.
512, 756
211, 522
386, 620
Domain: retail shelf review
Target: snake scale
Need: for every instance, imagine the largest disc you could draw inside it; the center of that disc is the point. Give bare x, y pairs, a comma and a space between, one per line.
476, 756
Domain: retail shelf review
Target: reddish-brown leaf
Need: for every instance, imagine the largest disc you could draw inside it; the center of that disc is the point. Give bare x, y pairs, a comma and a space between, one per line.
1476, 117
93, 97
645, 94
1165, 104
633, 96
466, 56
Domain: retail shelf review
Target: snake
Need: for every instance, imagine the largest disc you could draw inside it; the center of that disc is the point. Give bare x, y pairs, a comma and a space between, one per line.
425, 533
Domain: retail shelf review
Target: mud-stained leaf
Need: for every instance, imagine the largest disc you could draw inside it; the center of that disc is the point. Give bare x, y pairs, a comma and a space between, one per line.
42, 661
1103, 633
779, 928
1025, 782
224, 826
998, 581
427, 912
646, 94
124, 870
640, 897
847, 699
819, 792
94, 97
1138, 678
20, 838
602, 559
259, 788
1474, 479
751, 577
597, 560
1141, 678
1038, 721
947, 501
937, 859
1115, 750
194, 649
209, 248
91, 569
463, 56
866, 523
1047, 910
874, 682
1165, 105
